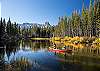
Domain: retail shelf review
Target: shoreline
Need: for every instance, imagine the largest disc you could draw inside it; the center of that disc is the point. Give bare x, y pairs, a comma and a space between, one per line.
74, 40
40, 38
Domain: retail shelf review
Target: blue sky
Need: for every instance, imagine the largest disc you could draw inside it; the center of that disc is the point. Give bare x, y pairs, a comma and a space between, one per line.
39, 11
0, 8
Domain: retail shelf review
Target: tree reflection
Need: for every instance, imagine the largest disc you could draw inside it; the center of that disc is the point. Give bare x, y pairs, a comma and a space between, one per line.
12, 47
85, 56
35, 45
20, 64
1, 59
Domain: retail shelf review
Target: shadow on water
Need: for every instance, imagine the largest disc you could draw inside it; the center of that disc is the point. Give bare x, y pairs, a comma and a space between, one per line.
27, 55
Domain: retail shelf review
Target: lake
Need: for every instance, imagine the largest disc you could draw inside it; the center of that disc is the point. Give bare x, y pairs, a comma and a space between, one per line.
30, 55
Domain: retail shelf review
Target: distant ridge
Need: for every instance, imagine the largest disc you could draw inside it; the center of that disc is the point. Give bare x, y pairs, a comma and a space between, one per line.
30, 25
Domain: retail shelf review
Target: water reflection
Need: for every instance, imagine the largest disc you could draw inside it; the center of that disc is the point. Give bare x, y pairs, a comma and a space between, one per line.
19, 64
1, 59
30, 55
84, 57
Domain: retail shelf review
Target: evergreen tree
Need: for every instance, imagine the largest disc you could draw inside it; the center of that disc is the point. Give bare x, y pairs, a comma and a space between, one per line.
98, 18
9, 27
90, 18
94, 25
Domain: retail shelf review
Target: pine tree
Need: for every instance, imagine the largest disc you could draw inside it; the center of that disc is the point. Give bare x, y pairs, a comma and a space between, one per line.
0, 28
94, 25
90, 18
98, 18
82, 24
9, 27
4, 25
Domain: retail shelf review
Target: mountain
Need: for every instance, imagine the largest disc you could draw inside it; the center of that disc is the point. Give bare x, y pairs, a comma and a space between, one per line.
29, 25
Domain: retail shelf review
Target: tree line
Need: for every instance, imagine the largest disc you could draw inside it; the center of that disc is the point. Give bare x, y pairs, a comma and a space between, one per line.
8, 30
35, 31
85, 24
13, 31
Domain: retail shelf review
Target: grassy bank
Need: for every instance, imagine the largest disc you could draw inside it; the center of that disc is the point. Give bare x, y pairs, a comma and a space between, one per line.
76, 40
40, 38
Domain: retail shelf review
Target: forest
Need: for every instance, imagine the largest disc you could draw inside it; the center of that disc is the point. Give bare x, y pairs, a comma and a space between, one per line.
84, 24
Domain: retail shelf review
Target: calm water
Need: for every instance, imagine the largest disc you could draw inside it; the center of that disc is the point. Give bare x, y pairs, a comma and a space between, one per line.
35, 56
